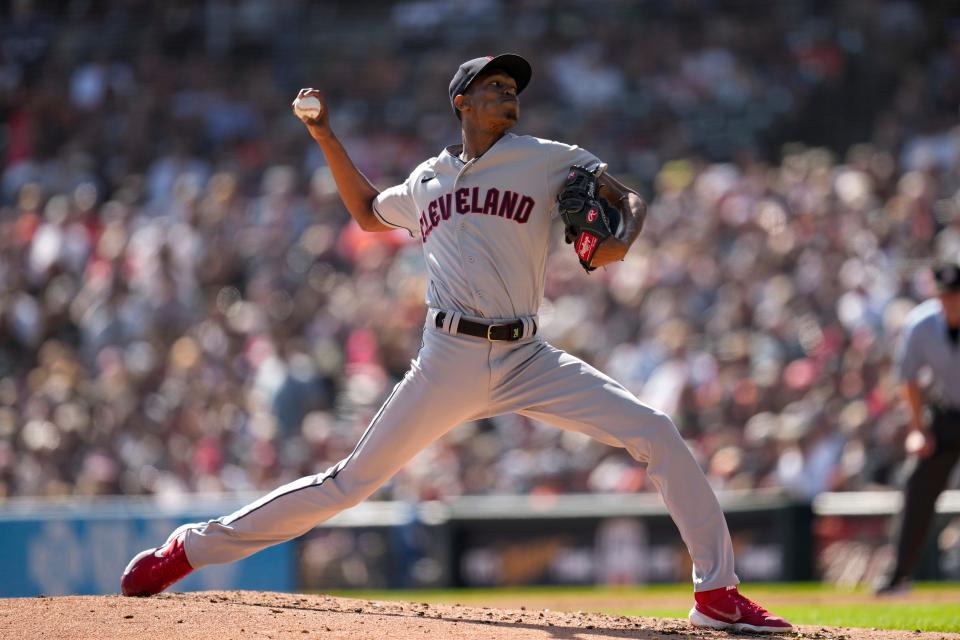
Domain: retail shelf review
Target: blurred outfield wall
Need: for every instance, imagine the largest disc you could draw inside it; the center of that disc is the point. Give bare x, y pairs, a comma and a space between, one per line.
82, 547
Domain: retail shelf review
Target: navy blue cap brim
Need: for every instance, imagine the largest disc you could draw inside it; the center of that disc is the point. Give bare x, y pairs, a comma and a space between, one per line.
510, 63
515, 66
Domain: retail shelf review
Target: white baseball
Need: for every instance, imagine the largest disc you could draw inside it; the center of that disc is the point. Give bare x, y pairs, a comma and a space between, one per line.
308, 108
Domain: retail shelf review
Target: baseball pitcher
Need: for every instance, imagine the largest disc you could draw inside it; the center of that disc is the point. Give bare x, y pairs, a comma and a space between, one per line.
483, 212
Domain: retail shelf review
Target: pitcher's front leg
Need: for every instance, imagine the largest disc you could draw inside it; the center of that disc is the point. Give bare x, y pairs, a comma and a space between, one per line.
411, 418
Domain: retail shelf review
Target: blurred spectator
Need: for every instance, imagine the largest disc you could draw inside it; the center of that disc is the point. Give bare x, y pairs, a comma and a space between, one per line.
185, 307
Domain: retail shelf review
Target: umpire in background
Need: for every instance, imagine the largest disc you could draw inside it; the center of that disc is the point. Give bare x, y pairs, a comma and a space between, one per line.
930, 340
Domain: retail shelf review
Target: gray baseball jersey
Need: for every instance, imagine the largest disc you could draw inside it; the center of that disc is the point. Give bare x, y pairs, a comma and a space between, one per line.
484, 226
924, 343
456, 208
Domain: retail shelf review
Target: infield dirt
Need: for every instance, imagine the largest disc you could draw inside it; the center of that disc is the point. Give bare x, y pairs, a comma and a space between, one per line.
234, 614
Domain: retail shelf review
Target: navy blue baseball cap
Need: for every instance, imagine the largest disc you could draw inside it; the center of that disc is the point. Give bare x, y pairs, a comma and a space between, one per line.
947, 275
513, 65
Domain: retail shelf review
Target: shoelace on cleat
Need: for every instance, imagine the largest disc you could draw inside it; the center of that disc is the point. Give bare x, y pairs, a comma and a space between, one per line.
747, 604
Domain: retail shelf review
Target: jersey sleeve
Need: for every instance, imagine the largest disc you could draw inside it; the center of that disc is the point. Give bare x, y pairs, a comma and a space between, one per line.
907, 359
396, 207
562, 157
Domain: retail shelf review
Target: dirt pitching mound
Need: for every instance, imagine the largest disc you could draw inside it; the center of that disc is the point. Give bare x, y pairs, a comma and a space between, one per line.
243, 614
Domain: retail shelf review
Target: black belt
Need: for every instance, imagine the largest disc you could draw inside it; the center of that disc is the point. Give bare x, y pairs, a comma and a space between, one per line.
509, 332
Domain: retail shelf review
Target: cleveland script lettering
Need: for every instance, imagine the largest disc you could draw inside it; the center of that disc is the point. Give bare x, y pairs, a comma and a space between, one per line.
510, 205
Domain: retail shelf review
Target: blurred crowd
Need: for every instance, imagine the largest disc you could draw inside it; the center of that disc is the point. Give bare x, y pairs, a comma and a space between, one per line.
185, 306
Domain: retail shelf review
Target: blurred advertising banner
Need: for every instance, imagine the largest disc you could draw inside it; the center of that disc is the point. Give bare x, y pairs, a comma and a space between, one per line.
616, 539
853, 537
385, 545
81, 548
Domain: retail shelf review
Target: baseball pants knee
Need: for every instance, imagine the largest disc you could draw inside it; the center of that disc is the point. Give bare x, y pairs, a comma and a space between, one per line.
551, 386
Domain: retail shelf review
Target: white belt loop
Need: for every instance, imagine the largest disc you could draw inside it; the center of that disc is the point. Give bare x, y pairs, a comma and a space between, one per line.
531, 323
444, 324
433, 320
454, 325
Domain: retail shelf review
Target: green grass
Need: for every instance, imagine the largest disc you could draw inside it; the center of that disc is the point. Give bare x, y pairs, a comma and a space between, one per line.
929, 607
926, 617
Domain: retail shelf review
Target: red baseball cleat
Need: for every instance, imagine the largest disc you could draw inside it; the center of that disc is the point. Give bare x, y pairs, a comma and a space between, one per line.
153, 570
728, 609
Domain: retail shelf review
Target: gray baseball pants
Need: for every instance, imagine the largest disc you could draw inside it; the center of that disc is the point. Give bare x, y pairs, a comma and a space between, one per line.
458, 378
